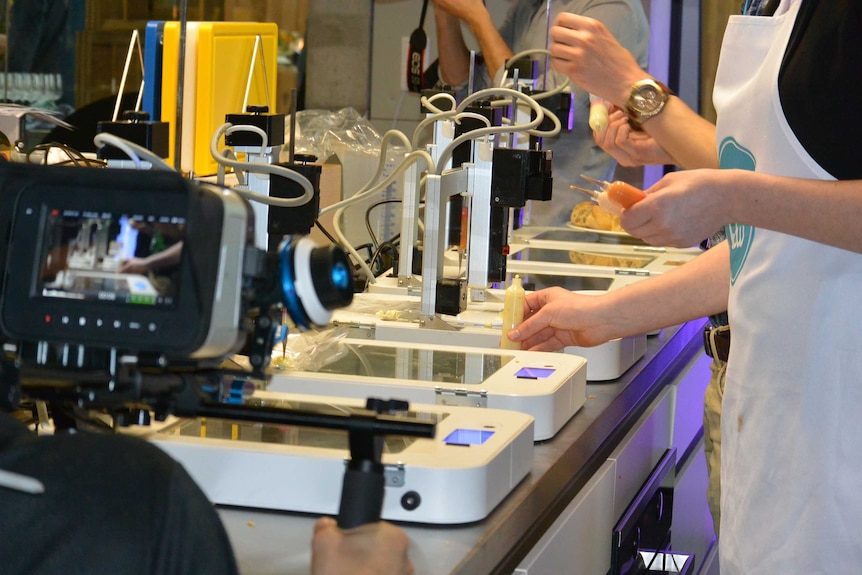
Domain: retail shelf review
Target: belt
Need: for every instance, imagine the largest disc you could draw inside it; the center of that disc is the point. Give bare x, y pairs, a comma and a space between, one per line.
716, 342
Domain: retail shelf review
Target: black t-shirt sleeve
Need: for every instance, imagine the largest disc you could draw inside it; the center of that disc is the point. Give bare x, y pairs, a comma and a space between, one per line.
820, 84
112, 504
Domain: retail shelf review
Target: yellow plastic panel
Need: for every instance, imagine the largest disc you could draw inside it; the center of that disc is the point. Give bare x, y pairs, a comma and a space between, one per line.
219, 56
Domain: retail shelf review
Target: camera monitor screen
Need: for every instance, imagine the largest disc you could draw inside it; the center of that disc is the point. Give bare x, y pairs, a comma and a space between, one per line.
134, 260
125, 258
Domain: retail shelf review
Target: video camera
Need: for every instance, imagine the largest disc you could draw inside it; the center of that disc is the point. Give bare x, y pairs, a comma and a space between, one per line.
123, 292
101, 264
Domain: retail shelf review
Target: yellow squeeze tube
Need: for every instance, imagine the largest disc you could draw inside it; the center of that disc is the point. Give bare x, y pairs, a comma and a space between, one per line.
598, 114
513, 312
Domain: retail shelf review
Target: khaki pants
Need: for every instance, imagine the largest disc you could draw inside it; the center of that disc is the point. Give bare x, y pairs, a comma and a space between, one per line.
712, 437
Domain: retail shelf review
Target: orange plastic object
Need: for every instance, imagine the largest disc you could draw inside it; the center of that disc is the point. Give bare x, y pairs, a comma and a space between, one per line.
624, 194
619, 192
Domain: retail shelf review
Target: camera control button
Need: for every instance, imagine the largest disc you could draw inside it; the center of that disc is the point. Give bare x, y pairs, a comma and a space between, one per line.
135, 325
152, 327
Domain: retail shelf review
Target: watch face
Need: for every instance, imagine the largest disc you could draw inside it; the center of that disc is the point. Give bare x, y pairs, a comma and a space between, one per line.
647, 99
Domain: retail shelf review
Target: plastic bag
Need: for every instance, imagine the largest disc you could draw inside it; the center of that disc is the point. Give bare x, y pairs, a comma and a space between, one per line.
310, 350
323, 132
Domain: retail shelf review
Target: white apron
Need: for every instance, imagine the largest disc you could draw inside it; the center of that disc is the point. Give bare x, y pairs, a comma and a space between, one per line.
791, 461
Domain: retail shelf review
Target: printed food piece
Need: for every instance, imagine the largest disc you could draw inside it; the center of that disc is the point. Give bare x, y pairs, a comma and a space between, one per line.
590, 215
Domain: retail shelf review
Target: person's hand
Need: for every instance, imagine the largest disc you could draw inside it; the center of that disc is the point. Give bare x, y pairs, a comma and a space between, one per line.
684, 207
585, 50
373, 549
627, 146
461, 9
133, 266
555, 318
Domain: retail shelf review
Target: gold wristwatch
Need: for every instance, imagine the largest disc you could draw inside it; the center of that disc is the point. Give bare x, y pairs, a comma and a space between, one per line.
646, 99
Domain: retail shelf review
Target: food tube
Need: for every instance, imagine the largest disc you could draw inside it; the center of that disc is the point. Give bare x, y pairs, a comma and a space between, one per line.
612, 196
598, 114
513, 312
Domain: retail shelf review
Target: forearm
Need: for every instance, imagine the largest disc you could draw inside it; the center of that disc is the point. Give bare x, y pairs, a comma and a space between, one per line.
696, 289
592, 58
679, 130
454, 58
165, 258
823, 211
494, 49
685, 135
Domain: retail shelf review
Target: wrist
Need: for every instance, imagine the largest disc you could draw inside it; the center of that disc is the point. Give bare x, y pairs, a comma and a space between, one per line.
623, 89
739, 184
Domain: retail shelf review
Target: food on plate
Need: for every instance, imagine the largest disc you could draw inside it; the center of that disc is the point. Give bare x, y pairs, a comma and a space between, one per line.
605, 260
591, 216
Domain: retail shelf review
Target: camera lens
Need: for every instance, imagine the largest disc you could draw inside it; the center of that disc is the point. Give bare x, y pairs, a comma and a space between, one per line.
314, 280
330, 272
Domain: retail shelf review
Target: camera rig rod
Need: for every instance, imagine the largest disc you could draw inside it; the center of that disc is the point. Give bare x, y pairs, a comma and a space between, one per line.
363, 485
205, 393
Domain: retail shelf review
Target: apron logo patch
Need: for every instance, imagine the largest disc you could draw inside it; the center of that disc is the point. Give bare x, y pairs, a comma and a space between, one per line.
732, 155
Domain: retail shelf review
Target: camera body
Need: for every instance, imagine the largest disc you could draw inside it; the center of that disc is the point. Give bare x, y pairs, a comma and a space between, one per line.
150, 265
144, 262
123, 290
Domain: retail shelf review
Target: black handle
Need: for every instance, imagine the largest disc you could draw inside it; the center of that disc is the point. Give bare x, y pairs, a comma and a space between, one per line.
361, 497
363, 486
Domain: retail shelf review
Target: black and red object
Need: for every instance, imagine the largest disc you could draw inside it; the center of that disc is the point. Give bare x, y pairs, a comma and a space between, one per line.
416, 54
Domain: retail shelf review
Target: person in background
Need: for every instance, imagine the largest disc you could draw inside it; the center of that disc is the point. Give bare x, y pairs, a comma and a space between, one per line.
39, 41
525, 28
105, 503
36, 40
789, 194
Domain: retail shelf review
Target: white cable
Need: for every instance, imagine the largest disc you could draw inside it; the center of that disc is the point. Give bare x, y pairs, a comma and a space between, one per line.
381, 165
454, 115
398, 134
264, 139
135, 152
402, 166
553, 91
340, 207
272, 169
123, 147
473, 115
539, 95
426, 102
345, 243
482, 132
488, 92
384, 148
558, 126
440, 116
240, 175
